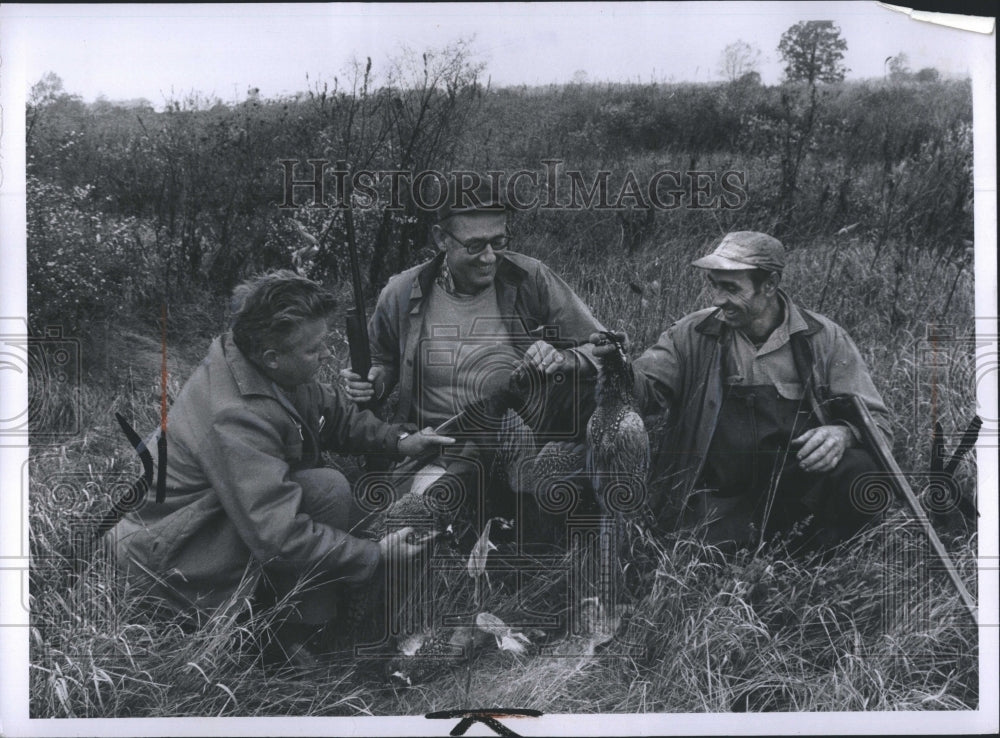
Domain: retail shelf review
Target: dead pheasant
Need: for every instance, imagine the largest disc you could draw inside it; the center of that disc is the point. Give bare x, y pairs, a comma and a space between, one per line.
429, 523
426, 656
529, 470
617, 442
615, 457
421, 511
617, 461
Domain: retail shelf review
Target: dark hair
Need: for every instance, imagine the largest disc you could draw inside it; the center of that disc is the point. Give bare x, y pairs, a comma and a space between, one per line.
267, 310
759, 276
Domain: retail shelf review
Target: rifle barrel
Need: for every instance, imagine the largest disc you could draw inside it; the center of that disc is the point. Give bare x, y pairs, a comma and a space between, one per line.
883, 454
352, 244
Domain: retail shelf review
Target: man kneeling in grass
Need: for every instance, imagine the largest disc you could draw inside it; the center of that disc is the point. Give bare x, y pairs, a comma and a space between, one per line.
249, 508
753, 448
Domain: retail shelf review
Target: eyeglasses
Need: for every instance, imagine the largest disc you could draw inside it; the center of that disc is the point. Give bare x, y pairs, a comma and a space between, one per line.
478, 245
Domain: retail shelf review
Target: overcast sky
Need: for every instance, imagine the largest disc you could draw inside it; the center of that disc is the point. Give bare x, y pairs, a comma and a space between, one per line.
130, 51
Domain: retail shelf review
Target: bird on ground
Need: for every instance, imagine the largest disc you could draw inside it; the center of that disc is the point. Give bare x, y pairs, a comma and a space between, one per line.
430, 523
424, 657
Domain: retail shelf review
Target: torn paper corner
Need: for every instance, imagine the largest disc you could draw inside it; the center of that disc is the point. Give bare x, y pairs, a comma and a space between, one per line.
972, 23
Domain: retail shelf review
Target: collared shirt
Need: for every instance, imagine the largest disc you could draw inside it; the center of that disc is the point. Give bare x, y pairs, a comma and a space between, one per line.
771, 363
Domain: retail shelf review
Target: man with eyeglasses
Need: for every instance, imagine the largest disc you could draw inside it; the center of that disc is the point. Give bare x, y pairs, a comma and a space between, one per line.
451, 330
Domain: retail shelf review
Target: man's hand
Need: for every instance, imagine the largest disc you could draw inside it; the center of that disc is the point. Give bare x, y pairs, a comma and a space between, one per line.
394, 546
548, 360
416, 443
823, 447
603, 347
359, 390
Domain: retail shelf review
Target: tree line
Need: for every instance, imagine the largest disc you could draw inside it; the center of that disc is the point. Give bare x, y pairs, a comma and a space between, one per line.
176, 203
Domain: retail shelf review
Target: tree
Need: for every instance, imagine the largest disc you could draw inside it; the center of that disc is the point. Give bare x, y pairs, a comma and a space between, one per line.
45, 90
813, 51
898, 66
739, 59
928, 74
48, 99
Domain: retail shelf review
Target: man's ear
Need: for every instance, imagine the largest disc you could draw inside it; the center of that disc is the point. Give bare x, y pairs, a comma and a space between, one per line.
269, 358
771, 283
439, 237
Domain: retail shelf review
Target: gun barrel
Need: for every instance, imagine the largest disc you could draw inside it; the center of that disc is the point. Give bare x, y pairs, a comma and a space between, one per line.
357, 340
352, 244
883, 455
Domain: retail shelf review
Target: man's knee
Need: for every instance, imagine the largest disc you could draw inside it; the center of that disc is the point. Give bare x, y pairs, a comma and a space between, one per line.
852, 498
326, 496
856, 461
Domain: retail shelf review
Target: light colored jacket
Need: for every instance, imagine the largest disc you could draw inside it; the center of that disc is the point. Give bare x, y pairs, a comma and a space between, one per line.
233, 440
682, 374
528, 292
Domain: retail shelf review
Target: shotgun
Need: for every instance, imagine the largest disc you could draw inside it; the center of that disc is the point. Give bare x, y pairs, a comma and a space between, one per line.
356, 321
883, 455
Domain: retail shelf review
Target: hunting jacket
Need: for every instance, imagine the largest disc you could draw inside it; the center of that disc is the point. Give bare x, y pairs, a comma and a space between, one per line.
234, 438
528, 293
682, 374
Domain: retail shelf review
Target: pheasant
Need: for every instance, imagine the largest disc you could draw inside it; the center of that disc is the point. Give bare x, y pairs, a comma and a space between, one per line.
617, 461
420, 511
614, 458
528, 469
617, 442
424, 657
429, 523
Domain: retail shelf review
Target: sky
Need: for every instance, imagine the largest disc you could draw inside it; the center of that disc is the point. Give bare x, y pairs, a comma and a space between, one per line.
158, 52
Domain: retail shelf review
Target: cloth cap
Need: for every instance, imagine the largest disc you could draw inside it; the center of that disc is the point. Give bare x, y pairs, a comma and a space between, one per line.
745, 250
463, 198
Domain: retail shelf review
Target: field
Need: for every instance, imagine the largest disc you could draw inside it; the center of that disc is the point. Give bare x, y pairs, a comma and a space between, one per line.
129, 209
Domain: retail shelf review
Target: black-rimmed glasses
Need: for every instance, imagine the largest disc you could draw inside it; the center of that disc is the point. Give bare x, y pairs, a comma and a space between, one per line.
478, 245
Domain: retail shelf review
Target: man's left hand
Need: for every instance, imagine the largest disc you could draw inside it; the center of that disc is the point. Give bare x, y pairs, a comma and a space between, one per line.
823, 447
548, 360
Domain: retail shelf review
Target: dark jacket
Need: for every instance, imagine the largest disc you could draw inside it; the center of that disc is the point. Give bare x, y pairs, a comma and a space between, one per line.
682, 374
526, 290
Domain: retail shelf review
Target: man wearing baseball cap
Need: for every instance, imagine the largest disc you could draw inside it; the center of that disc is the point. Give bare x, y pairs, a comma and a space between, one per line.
752, 446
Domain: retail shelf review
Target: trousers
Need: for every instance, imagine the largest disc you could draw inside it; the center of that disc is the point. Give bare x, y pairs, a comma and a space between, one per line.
752, 487
327, 499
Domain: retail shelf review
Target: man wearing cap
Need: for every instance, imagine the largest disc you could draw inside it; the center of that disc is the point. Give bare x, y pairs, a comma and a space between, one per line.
451, 330
752, 447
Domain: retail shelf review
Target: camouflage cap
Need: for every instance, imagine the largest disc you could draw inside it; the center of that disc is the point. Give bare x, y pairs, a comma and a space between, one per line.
745, 250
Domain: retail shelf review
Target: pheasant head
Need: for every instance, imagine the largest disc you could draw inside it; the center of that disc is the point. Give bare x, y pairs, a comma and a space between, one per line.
616, 377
